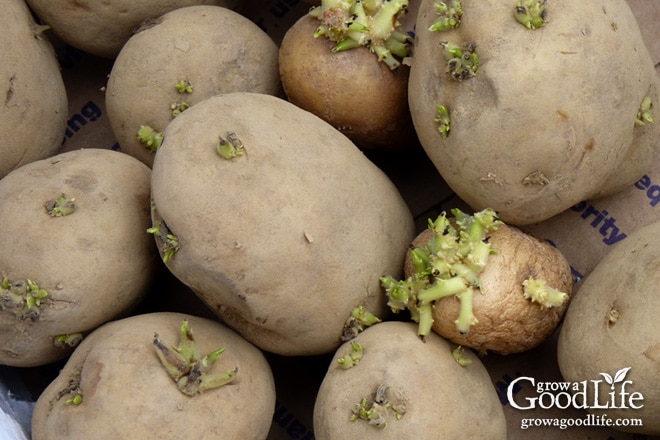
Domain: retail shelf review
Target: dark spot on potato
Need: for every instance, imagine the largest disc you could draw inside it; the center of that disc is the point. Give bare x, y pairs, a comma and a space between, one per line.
589, 147
82, 182
614, 26
563, 115
10, 90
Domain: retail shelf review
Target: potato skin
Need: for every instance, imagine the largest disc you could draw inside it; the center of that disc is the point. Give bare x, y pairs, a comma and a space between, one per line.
556, 103
96, 263
625, 282
215, 49
442, 399
284, 241
351, 89
35, 104
508, 322
126, 392
102, 28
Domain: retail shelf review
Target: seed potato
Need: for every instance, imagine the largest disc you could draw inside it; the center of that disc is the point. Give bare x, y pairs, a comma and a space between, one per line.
115, 385
284, 234
33, 92
611, 327
74, 251
102, 28
535, 120
412, 389
204, 50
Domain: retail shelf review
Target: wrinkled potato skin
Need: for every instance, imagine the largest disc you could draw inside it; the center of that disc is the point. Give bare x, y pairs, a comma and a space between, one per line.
558, 102
508, 322
626, 281
351, 89
442, 399
215, 49
33, 92
285, 241
101, 28
96, 263
127, 394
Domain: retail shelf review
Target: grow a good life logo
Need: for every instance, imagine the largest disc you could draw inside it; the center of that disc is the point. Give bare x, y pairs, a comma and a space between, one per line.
610, 392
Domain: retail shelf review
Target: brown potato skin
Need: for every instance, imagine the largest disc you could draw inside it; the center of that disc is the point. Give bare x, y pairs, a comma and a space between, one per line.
351, 89
127, 394
96, 264
508, 322
626, 281
443, 400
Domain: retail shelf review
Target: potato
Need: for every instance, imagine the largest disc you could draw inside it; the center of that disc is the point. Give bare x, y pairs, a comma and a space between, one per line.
116, 386
75, 252
102, 28
483, 284
552, 116
276, 220
351, 89
610, 336
182, 58
411, 389
34, 111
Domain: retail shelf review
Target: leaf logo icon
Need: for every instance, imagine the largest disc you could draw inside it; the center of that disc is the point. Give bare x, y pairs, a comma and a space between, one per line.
618, 377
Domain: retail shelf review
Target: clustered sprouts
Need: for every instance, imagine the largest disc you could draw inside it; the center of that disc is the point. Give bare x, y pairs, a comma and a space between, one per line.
377, 411
369, 23
449, 15
644, 114
447, 265
531, 13
23, 297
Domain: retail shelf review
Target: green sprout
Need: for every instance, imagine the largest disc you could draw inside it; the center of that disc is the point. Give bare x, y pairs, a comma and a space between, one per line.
376, 411
150, 138
449, 15
60, 206
443, 120
23, 297
540, 292
359, 320
352, 357
459, 356
184, 86
230, 146
644, 113
168, 242
448, 264
178, 108
68, 341
184, 366
368, 23
531, 13
76, 399
462, 62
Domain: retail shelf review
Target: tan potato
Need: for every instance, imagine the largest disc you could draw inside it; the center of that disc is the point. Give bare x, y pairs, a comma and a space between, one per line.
353, 91
34, 111
102, 28
287, 232
207, 50
611, 328
552, 116
421, 390
115, 385
75, 252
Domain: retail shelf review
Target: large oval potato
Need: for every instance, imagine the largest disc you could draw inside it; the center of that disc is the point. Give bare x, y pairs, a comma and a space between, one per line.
288, 232
75, 252
611, 329
115, 386
207, 49
101, 28
421, 390
35, 104
549, 117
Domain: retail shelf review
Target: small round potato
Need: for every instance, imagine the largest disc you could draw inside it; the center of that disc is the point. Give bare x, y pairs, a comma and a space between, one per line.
35, 105
75, 252
183, 57
400, 387
116, 385
101, 28
611, 332
276, 220
533, 121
